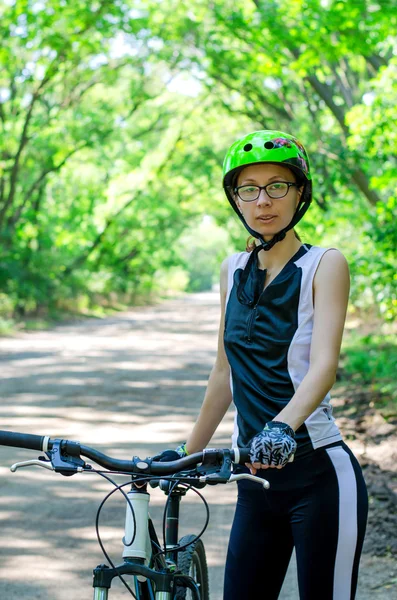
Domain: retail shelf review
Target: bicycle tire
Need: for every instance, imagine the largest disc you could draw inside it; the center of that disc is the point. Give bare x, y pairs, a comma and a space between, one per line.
192, 561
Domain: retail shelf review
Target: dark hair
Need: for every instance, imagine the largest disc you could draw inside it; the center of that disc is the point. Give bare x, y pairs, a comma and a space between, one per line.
250, 244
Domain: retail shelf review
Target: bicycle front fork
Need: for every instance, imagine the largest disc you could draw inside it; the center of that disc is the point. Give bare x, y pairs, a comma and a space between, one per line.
163, 581
136, 554
101, 593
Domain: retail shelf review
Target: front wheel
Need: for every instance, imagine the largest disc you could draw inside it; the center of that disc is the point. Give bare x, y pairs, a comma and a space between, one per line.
192, 562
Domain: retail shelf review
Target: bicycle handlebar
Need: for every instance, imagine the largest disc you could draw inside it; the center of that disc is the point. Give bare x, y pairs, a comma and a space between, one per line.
136, 465
22, 440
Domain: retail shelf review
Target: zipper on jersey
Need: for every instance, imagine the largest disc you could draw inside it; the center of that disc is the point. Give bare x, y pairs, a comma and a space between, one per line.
253, 315
251, 324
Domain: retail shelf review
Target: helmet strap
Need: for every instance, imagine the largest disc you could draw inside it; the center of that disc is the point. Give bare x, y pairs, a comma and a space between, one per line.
266, 246
276, 238
242, 297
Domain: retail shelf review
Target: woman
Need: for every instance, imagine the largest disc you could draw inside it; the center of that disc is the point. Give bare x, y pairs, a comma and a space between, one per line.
283, 311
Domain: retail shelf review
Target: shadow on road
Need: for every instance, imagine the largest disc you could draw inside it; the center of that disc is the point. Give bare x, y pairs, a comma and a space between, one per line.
130, 385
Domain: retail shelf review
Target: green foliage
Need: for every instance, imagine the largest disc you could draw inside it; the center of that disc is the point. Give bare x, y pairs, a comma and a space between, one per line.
372, 361
374, 133
88, 203
115, 117
171, 281
202, 248
310, 67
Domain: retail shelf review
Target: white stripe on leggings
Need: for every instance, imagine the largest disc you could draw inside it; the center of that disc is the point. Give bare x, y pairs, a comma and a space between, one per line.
347, 534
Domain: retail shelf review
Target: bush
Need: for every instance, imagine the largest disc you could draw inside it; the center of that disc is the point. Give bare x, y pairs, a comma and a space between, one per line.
371, 360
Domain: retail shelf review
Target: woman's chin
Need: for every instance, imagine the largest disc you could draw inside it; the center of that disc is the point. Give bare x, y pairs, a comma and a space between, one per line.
268, 235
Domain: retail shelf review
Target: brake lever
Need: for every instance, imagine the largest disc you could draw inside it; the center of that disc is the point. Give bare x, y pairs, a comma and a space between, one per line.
209, 471
241, 476
46, 464
68, 462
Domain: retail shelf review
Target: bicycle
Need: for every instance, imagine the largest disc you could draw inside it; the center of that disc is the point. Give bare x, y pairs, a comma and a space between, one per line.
178, 569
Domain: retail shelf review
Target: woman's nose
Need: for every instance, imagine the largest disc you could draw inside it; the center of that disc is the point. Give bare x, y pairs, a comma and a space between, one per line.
263, 198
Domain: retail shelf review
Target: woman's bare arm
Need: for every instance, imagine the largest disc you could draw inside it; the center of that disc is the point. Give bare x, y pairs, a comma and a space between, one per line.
218, 395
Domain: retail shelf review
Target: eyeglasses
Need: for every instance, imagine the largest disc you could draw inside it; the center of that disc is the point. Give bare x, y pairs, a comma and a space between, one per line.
276, 189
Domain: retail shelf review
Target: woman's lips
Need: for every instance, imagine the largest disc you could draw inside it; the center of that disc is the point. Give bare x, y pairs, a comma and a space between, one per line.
267, 218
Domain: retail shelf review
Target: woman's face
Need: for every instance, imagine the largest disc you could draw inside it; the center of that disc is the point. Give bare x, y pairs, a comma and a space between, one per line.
265, 215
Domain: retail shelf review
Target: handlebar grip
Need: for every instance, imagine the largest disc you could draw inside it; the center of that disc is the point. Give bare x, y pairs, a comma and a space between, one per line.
21, 440
241, 455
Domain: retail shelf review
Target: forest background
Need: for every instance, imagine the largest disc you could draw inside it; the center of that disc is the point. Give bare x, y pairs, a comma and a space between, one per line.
115, 117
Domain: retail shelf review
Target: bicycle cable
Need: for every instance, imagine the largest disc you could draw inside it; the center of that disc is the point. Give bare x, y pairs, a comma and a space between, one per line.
172, 487
188, 487
144, 478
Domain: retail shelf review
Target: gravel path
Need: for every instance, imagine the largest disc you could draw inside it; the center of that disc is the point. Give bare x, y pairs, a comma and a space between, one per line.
131, 384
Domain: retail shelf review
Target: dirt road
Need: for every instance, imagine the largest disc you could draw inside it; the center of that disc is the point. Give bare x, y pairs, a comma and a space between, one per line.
131, 384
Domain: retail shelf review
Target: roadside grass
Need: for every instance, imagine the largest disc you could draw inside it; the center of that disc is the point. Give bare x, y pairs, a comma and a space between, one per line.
7, 326
42, 320
10, 326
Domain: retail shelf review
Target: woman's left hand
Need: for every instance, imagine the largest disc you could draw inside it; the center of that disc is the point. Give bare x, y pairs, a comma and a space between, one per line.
273, 447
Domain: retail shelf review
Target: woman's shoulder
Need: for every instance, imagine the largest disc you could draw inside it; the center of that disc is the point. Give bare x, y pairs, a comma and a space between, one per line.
329, 255
333, 258
324, 254
233, 261
237, 254
321, 249
237, 259
332, 267
230, 264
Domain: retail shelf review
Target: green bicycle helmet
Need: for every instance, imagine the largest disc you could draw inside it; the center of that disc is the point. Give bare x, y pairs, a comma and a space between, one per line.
268, 146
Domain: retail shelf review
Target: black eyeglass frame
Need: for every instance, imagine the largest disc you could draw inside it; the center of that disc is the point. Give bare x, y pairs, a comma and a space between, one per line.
264, 187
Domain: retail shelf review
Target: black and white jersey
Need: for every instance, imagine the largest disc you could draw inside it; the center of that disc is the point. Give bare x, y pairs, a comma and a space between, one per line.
268, 347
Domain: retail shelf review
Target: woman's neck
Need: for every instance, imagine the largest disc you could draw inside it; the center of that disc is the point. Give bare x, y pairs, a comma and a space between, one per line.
279, 255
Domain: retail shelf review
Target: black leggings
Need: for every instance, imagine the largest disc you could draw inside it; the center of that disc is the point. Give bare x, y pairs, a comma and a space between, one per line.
317, 504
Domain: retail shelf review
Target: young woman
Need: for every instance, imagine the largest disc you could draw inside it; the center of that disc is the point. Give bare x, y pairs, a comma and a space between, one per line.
283, 311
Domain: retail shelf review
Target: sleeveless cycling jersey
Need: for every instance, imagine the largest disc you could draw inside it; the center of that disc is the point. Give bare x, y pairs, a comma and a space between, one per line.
267, 344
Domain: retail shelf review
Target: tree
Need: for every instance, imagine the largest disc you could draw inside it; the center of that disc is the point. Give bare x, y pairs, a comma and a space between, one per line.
304, 66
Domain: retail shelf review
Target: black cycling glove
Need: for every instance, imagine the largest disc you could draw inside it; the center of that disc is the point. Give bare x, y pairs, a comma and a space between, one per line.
275, 445
170, 455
